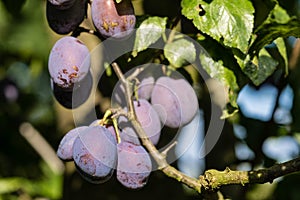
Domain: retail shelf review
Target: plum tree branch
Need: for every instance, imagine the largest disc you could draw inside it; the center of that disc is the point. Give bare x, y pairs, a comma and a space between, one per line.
212, 179
216, 178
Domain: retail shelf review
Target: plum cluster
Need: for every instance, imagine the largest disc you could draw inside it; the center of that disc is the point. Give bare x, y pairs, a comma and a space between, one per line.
96, 154
102, 147
69, 59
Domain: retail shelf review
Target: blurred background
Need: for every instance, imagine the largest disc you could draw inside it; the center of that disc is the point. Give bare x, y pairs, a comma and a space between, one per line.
32, 122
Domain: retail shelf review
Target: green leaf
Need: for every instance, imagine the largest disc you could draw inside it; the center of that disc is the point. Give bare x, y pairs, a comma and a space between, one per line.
269, 32
230, 22
226, 113
11, 184
278, 24
50, 184
282, 50
279, 15
180, 52
259, 69
262, 10
224, 75
19, 72
148, 33
22, 36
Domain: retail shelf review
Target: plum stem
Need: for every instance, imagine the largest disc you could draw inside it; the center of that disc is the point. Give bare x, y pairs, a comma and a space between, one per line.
115, 124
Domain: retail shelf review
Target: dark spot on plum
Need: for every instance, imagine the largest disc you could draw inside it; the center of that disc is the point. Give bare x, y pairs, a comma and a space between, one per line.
143, 181
65, 71
78, 41
85, 158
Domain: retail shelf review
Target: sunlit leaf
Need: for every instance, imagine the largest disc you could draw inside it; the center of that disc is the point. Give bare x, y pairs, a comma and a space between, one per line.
224, 75
148, 33
279, 15
282, 50
230, 22
180, 52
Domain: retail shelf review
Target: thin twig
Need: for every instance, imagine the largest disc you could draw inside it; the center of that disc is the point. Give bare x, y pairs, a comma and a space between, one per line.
136, 72
131, 113
165, 152
42, 147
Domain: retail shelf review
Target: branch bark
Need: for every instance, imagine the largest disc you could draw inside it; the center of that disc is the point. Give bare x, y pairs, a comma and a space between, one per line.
212, 179
216, 179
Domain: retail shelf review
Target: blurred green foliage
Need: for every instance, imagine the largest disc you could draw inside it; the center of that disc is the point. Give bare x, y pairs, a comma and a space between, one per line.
25, 95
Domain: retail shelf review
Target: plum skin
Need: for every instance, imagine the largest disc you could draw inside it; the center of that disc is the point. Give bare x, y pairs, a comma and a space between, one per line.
112, 19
